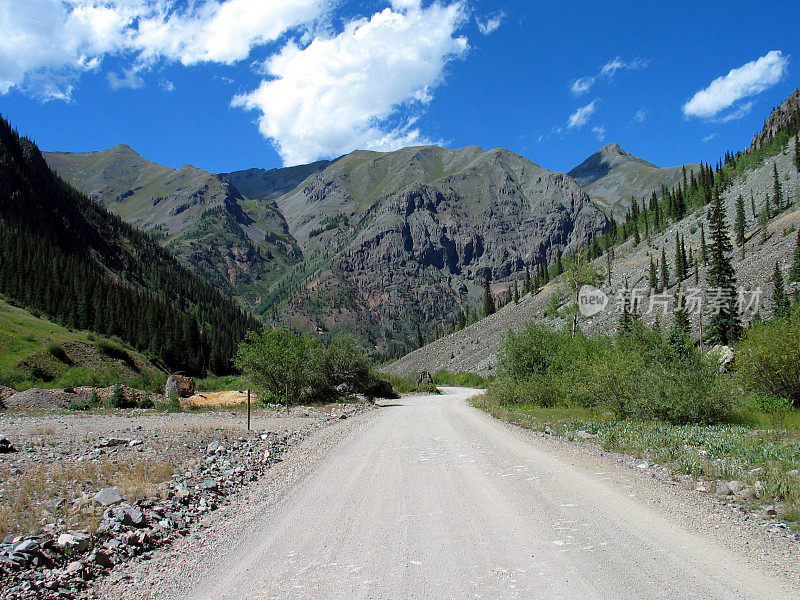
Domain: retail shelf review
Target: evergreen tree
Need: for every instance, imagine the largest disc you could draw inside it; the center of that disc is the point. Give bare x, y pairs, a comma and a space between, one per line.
794, 271
724, 326
703, 253
797, 151
527, 287
753, 205
653, 276
780, 300
679, 269
777, 195
516, 293
488, 299
420, 339
664, 271
679, 334
740, 223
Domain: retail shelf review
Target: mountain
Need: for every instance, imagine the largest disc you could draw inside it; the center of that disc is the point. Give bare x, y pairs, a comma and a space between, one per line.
269, 184
785, 117
205, 221
745, 174
66, 256
407, 237
612, 176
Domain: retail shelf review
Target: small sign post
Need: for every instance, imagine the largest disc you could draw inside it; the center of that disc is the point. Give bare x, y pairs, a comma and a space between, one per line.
248, 409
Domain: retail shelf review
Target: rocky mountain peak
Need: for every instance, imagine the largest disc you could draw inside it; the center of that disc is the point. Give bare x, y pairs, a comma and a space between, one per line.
779, 119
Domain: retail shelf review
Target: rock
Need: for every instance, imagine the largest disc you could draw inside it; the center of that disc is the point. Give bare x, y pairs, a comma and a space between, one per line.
183, 386
102, 559
723, 489
213, 447
75, 541
6, 447
74, 567
747, 494
423, 378
583, 435
129, 515
208, 484
736, 486
111, 442
770, 510
108, 496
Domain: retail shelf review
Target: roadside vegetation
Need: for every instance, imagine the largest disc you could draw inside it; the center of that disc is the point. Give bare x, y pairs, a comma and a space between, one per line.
653, 395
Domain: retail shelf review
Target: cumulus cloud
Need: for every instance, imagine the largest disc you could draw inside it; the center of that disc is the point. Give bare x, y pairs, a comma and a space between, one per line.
581, 116
47, 44
742, 82
640, 116
491, 24
584, 84
347, 91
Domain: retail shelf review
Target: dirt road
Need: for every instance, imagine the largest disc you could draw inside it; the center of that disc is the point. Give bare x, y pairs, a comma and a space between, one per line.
431, 498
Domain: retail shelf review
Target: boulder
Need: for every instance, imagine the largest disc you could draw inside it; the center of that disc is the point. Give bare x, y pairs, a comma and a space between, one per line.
108, 496
183, 386
423, 378
6, 447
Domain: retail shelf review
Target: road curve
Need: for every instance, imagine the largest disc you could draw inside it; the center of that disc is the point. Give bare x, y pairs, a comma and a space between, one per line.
434, 499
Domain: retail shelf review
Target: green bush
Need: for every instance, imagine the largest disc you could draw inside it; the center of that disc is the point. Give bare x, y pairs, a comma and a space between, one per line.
637, 376
119, 400
57, 352
768, 361
88, 404
145, 403
472, 380
404, 384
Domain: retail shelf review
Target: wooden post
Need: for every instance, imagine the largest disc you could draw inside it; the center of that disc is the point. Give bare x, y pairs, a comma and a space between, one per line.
248, 409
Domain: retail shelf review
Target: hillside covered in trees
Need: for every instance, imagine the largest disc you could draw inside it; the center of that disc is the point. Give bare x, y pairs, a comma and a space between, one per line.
69, 258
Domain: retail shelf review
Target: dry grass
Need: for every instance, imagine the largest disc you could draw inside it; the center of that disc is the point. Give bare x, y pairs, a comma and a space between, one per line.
61, 492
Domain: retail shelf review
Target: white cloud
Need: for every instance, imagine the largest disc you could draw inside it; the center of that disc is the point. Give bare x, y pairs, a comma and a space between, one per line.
617, 64
743, 82
129, 79
47, 44
345, 92
582, 85
581, 116
640, 116
166, 85
600, 132
708, 138
491, 24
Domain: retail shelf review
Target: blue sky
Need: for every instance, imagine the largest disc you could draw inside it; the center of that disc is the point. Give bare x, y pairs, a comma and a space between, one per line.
259, 83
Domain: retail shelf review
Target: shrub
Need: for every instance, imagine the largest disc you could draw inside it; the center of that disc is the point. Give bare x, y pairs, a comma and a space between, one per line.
119, 400
404, 384
473, 380
57, 352
768, 361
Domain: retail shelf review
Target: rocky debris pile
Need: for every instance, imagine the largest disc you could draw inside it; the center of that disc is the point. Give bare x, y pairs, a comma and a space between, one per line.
61, 564
5, 394
38, 399
183, 386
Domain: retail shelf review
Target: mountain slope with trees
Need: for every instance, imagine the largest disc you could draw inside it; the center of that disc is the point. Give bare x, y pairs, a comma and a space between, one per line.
69, 258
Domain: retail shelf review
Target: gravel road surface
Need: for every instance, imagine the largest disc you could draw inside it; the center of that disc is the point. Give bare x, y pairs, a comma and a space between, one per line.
430, 498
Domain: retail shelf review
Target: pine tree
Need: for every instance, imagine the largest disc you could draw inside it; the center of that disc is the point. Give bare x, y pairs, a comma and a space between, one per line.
724, 326
527, 287
703, 253
420, 339
764, 218
653, 276
678, 258
780, 300
678, 337
797, 151
516, 293
636, 239
777, 195
488, 299
753, 205
664, 271
740, 223
794, 271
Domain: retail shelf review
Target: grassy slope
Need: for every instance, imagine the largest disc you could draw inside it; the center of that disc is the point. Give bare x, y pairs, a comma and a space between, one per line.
29, 342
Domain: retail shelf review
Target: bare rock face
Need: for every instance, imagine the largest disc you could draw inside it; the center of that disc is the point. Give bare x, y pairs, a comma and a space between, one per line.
183, 386
425, 227
779, 118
